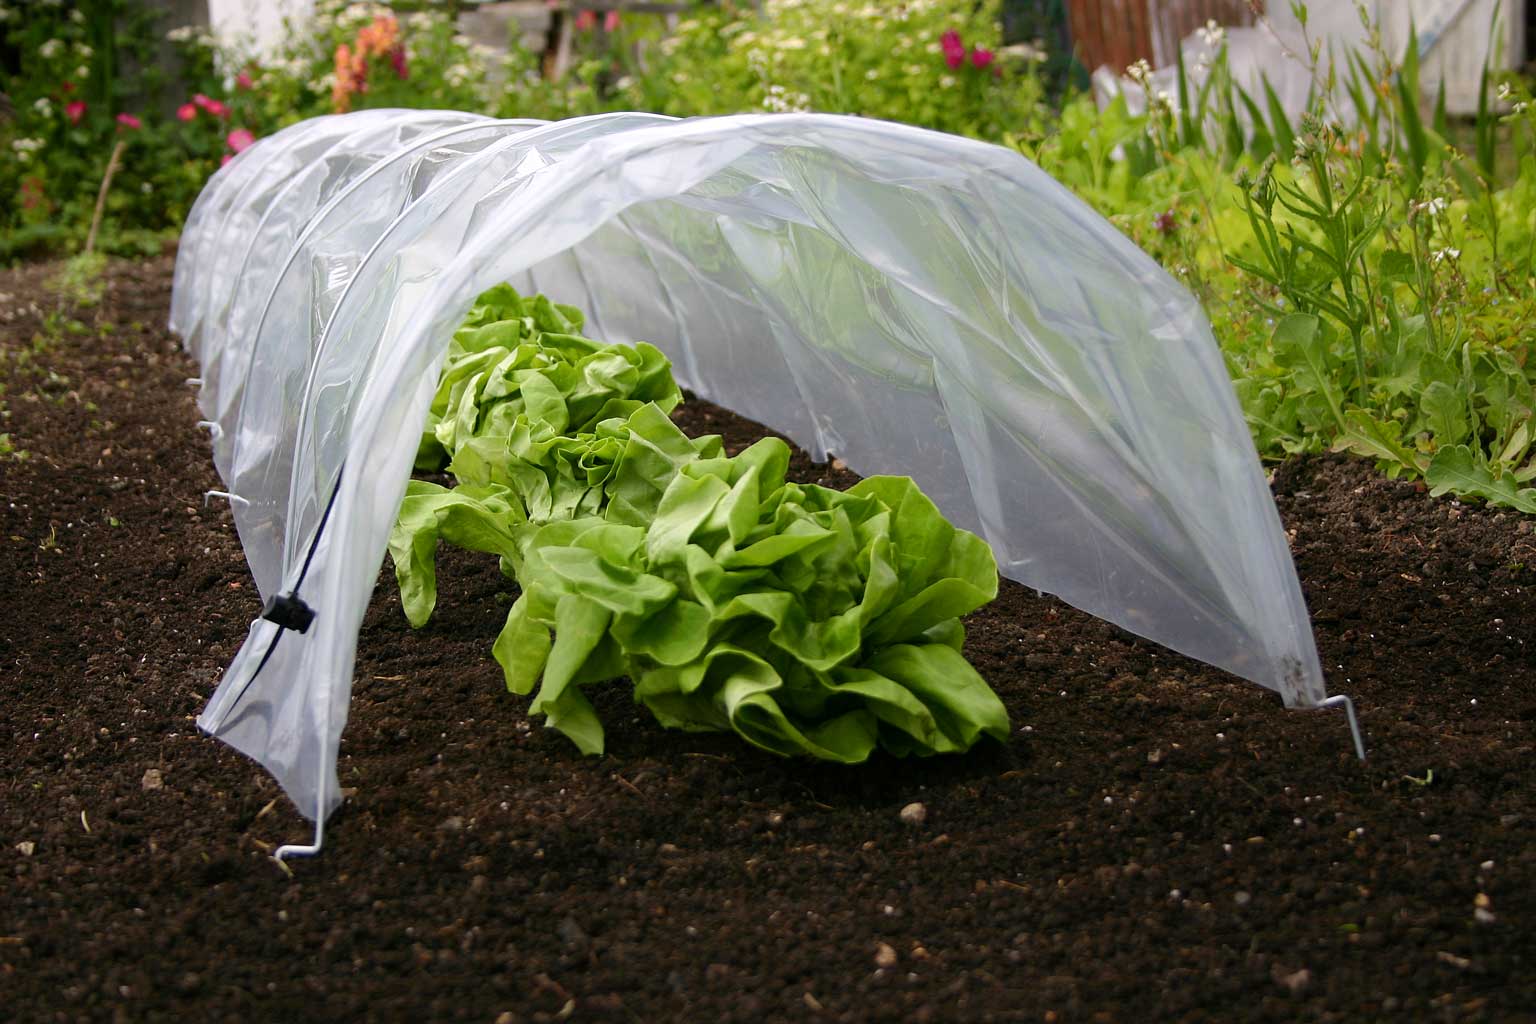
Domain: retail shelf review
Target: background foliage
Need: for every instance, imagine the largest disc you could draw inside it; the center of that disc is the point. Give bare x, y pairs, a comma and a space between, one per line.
1369, 268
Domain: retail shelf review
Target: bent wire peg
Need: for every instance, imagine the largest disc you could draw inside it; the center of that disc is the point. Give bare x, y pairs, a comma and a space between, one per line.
1340, 700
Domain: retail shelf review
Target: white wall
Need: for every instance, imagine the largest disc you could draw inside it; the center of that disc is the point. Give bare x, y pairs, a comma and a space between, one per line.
256, 24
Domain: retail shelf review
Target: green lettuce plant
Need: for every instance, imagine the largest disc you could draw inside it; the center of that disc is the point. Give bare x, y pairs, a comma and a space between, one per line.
807, 620
517, 360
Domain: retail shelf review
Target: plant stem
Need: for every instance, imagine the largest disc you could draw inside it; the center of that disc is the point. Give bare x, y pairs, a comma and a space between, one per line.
101, 196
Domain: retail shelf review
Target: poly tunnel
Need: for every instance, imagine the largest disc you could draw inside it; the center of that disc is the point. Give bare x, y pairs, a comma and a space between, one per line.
914, 303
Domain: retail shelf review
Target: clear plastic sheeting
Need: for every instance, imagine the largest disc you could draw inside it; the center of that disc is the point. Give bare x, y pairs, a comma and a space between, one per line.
914, 303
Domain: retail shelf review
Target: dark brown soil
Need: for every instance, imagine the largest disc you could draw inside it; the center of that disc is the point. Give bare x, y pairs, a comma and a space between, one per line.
1158, 841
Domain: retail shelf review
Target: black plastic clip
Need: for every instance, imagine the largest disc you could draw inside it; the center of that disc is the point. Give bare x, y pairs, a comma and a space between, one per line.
289, 612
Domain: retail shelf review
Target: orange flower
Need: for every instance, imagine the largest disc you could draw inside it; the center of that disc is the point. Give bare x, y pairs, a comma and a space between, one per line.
378, 39
347, 80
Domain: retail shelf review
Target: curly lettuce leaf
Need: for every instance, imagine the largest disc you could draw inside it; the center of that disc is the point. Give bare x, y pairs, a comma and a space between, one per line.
807, 620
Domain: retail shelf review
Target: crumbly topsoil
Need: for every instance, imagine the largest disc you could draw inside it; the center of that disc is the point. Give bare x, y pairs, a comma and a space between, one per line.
1157, 841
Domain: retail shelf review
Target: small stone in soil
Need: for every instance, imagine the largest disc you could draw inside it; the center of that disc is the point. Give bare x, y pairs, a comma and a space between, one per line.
153, 779
914, 815
885, 956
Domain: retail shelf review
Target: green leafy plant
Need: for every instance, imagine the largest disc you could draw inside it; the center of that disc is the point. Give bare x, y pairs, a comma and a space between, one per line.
809, 621
518, 362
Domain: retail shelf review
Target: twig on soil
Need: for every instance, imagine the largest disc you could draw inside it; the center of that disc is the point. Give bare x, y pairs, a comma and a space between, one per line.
621, 780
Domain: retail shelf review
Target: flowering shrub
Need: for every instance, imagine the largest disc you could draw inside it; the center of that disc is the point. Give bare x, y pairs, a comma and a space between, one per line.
935, 63
70, 108
360, 55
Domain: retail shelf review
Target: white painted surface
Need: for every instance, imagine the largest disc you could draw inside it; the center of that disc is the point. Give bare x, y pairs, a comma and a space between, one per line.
259, 26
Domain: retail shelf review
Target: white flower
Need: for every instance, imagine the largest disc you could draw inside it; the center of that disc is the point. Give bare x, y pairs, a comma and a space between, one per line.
792, 43
182, 34
420, 21
84, 51
1024, 51
871, 74
43, 106
1505, 92
1139, 72
77, 16
82, 72
947, 82
1213, 35
146, 188
5, 14
25, 147
914, 69
50, 49
1434, 207
1446, 254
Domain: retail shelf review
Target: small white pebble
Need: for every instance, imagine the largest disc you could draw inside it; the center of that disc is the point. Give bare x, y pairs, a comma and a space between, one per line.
1434, 837
1242, 899
1486, 865
913, 814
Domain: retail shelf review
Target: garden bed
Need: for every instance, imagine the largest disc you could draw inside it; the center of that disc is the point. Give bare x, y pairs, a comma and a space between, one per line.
1157, 839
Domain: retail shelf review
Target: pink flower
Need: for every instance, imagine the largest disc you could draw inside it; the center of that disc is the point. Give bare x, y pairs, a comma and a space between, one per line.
243, 80
954, 48
611, 21
213, 106
130, 122
74, 110
226, 159
586, 21
1165, 223
397, 61
186, 112
239, 140
981, 58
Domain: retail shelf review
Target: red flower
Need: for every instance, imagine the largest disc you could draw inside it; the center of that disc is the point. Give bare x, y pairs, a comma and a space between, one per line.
611, 21
74, 110
244, 81
186, 112
240, 139
226, 159
586, 21
397, 61
130, 122
67, 87
1165, 223
954, 48
981, 58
